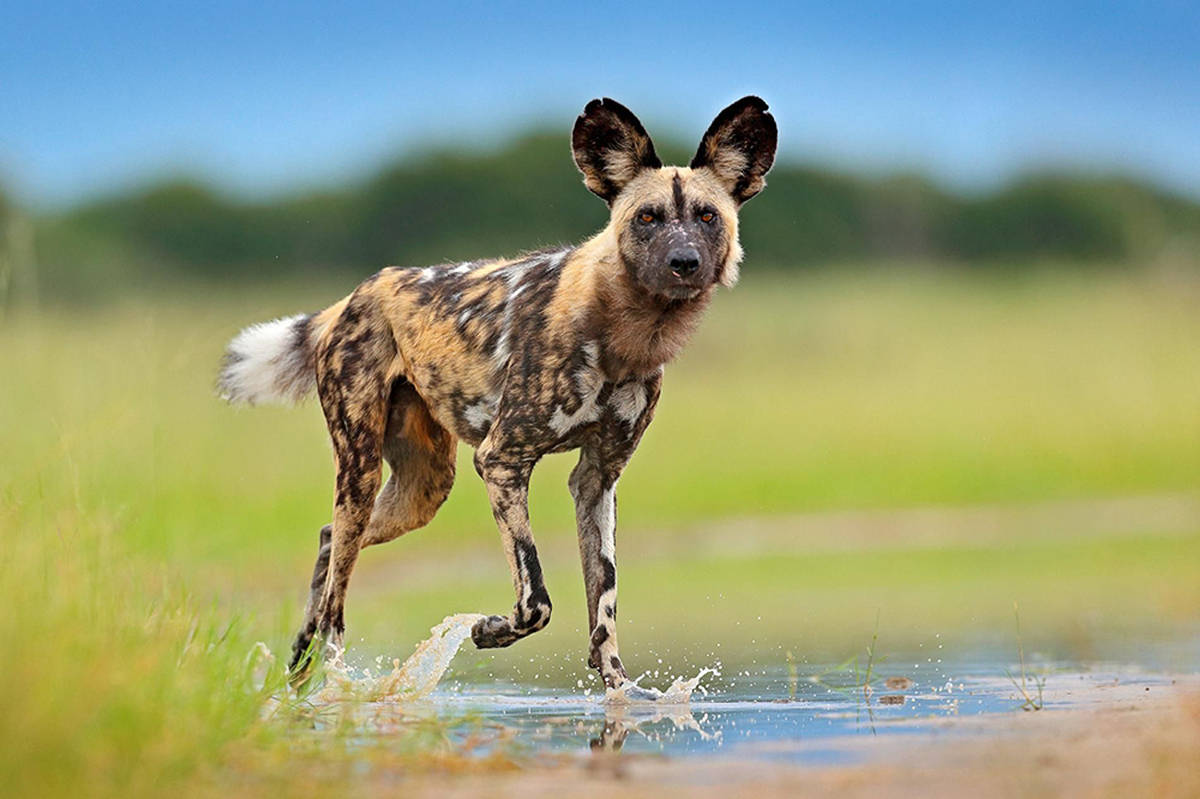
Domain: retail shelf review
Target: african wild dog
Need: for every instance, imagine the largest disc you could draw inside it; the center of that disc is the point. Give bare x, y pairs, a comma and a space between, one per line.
520, 357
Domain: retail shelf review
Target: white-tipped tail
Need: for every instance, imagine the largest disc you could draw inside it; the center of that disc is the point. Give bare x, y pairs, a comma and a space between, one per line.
269, 362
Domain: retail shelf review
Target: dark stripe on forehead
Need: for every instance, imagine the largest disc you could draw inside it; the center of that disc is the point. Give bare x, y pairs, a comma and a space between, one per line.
677, 190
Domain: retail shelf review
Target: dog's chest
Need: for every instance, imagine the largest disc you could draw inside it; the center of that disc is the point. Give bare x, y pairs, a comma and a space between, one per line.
560, 411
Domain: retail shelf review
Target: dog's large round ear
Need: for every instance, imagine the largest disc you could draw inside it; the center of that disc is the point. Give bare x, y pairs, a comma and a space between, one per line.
739, 147
610, 147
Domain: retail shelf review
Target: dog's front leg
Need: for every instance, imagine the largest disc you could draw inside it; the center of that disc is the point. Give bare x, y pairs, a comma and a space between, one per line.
594, 492
508, 489
594, 487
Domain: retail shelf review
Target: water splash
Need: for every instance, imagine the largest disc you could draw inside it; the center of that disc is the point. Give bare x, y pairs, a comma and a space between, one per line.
419, 675
679, 692
413, 679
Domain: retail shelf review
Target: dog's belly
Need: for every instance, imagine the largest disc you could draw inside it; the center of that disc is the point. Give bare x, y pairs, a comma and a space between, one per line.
462, 396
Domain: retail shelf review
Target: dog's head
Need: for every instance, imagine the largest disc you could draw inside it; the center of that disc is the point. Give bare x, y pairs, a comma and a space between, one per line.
676, 227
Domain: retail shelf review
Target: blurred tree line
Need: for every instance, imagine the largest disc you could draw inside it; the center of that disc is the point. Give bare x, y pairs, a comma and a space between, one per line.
452, 205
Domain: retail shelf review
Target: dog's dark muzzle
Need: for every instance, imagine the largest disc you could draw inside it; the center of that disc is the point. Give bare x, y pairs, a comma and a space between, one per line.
678, 267
684, 261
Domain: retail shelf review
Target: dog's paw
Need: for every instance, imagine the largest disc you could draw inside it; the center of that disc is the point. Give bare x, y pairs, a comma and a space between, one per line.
491, 632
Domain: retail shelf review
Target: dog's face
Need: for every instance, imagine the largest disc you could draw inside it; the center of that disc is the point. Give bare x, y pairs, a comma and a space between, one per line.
676, 227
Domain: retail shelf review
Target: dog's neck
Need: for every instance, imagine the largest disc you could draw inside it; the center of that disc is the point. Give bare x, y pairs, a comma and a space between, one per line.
639, 332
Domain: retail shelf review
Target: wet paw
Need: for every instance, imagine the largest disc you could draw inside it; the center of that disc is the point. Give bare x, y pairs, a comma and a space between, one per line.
613, 672
491, 632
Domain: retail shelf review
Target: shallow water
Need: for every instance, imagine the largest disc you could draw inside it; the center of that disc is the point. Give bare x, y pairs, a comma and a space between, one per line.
804, 714
762, 718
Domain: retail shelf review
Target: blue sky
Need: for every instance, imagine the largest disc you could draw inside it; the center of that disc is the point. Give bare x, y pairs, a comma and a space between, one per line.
266, 97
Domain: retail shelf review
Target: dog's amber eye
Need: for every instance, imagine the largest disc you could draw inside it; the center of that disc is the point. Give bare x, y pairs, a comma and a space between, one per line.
646, 218
707, 217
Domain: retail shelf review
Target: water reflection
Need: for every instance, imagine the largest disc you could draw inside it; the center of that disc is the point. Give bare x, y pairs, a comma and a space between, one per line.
620, 721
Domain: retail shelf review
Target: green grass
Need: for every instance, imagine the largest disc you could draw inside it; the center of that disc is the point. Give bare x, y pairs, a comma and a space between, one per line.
154, 534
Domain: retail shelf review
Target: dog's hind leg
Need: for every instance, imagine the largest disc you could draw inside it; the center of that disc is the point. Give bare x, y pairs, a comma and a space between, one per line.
420, 453
352, 375
317, 586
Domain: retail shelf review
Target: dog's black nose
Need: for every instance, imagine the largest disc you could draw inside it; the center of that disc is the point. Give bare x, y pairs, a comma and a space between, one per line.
684, 260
